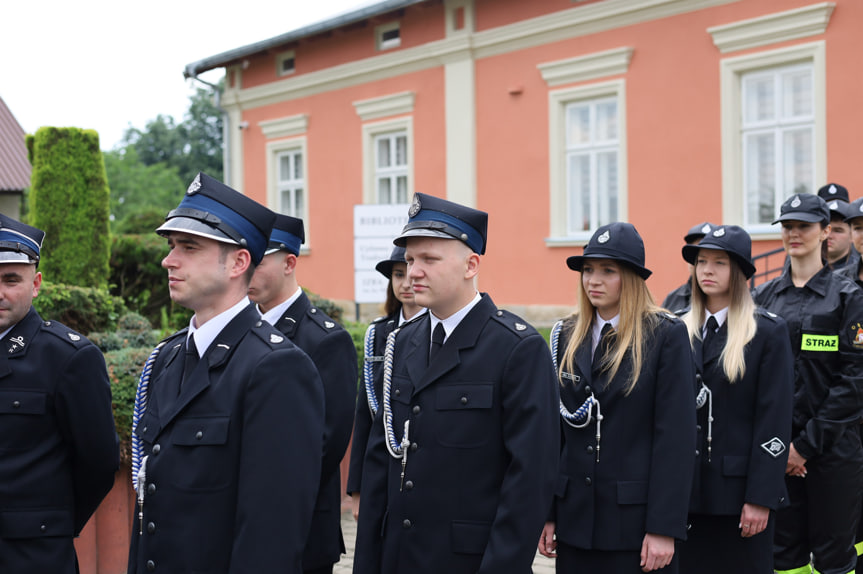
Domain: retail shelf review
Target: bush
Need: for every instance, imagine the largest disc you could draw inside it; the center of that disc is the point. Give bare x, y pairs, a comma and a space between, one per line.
133, 331
137, 274
83, 309
334, 311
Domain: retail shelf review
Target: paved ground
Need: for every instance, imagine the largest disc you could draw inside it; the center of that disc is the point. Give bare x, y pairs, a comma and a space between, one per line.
541, 565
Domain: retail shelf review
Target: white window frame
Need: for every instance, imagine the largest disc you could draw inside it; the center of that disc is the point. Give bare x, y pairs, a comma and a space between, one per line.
392, 173
280, 60
276, 149
380, 43
370, 133
558, 193
731, 72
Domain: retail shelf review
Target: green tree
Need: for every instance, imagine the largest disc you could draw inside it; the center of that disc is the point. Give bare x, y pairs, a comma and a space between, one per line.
69, 201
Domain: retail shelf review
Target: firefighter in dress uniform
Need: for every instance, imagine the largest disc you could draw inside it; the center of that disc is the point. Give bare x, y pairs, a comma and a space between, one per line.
462, 457
283, 303
824, 475
745, 367
229, 422
627, 412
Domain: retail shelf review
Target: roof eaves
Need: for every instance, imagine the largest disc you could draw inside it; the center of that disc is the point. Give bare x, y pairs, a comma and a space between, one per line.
192, 70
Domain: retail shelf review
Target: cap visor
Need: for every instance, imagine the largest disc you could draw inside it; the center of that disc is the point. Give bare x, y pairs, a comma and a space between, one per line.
401, 239
15, 257
576, 262
799, 216
193, 227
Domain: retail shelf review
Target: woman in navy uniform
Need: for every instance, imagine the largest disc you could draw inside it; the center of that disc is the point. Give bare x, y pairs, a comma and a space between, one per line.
824, 475
628, 418
399, 308
744, 360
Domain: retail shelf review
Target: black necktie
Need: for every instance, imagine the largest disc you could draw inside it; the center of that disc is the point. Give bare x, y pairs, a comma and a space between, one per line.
191, 360
602, 346
438, 335
709, 333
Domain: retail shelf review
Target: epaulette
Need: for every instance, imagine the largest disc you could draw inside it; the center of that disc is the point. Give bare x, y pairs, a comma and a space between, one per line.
380, 319
268, 334
769, 314
321, 319
513, 322
668, 316
63, 332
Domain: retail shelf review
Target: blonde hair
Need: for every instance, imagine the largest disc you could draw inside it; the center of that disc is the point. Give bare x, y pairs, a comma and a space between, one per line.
638, 319
741, 321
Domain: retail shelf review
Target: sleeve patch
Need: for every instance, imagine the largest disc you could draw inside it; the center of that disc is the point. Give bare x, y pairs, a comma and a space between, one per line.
774, 447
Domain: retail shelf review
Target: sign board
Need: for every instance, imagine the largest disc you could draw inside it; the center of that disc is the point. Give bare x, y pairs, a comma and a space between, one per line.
375, 227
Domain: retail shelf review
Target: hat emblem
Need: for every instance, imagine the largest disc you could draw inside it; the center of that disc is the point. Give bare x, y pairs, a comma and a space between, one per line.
604, 237
832, 189
195, 185
706, 229
834, 205
796, 201
861, 207
719, 232
416, 205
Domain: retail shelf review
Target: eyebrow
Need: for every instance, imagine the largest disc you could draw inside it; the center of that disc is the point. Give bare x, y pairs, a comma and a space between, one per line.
11, 275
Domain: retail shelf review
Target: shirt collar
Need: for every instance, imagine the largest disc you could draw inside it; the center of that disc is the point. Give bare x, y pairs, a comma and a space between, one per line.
598, 324
403, 320
273, 315
207, 333
721, 316
451, 322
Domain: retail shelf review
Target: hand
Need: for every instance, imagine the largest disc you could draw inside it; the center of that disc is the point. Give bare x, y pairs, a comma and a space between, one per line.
796, 464
656, 552
547, 544
355, 505
753, 520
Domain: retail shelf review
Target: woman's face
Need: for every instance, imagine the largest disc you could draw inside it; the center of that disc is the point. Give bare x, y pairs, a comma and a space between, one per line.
801, 238
600, 279
402, 284
713, 272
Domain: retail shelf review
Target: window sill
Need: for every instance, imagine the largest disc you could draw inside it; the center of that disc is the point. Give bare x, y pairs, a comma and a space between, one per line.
566, 241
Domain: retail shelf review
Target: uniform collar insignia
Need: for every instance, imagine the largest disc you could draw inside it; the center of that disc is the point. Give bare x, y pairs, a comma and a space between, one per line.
520, 326
73, 337
276, 338
17, 343
329, 324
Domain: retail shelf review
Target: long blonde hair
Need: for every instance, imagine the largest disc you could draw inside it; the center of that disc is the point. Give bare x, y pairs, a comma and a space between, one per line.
741, 321
638, 319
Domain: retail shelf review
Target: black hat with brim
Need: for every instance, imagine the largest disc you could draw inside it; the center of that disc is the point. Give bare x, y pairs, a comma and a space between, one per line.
729, 238
385, 267
616, 241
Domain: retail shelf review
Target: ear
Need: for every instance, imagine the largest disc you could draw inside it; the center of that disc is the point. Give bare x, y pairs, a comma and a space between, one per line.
290, 263
472, 266
826, 231
37, 283
241, 259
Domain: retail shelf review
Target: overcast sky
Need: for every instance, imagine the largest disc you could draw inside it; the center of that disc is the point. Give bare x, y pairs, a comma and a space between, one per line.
105, 65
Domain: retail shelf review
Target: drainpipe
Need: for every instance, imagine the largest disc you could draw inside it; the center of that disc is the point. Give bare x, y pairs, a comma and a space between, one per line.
226, 133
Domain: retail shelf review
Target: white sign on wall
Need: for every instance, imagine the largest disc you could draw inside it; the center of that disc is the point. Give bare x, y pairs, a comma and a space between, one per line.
375, 227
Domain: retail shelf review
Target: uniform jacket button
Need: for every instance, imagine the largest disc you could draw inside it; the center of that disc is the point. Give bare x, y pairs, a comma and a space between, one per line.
697, 452
151, 527
417, 409
698, 427
409, 485
17, 404
151, 565
464, 400
151, 488
590, 448
43, 528
397, 392
587, 481
199, 435
406, 524
414, 446
587, 389
156, 449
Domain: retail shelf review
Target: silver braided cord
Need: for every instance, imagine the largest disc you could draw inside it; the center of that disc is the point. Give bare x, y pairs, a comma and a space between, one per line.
141, 395
396, 450
368, 370
705, 396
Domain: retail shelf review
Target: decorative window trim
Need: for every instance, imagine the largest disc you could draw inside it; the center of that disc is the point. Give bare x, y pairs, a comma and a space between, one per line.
285, 127
383, 45
384, 106
371, 130
731, 70
280, 60
589, 67
274, 148
558, 198
772, 28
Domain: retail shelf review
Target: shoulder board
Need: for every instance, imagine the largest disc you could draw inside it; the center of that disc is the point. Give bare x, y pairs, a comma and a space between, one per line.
65, 333
380, 319
768, 314
269, 334
513, 322
322, 319
179, 334
668, 316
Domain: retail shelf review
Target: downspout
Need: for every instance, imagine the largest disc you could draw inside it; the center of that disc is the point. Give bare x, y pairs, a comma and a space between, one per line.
226, 133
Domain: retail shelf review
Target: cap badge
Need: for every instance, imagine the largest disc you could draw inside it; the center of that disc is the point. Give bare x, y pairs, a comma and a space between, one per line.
774, 447
195, 185
796, 201
520, 326
276, 338
74, 337
719, 232
832, 189
834, 206
861, 207
706, 229
416, 205
604, 237
329, 324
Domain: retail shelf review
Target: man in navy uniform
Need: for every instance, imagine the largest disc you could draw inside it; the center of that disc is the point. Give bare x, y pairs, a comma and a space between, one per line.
838, 250
462, 457
282, 303
233, 426
58, 447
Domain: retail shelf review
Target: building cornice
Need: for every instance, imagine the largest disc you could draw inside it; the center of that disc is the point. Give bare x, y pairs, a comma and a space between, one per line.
772, 28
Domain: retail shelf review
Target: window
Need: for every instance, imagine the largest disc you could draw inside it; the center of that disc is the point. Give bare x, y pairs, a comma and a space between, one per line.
291, 184
388, 36
778, 135
587, 154
391, 167
285, 63
773, 132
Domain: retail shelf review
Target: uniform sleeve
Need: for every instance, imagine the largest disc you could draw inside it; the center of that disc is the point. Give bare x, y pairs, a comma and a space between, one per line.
842, 405
673, 455
531, 435
771, 430
373, 497
83, 403
336, 360
282, 438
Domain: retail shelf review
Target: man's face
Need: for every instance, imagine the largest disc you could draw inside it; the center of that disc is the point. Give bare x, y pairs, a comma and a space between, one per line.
857, 233
197, 270
839, 240
19, 284
438, 269
268, 282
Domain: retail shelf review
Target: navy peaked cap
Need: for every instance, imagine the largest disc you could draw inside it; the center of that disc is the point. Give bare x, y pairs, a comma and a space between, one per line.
855, 209
729, 238
618, 241
212, 209
287, 235
806, 207
431, 216
833, 191
696, 232
19, 242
